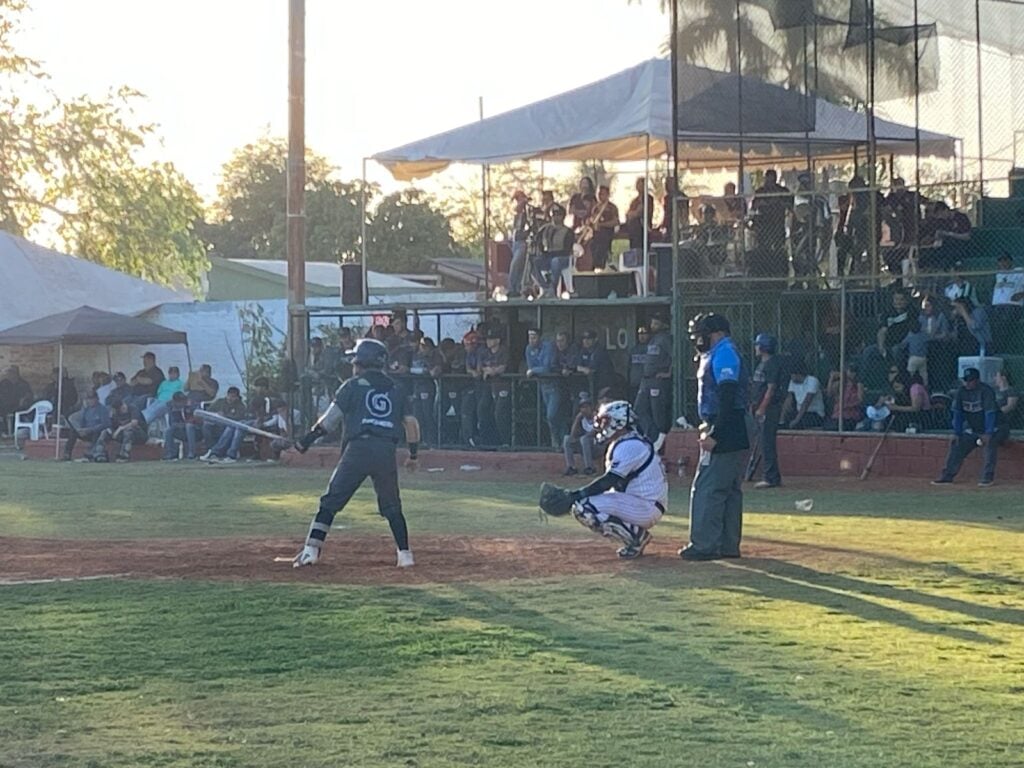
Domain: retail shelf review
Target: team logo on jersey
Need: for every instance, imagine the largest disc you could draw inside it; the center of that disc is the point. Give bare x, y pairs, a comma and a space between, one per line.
378, 404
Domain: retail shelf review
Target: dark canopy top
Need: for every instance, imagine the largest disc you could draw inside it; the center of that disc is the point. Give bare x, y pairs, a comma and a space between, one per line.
87, 325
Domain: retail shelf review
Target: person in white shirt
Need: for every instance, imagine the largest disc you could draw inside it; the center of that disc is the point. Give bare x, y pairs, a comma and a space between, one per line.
960, 288
805, 405
1007, 308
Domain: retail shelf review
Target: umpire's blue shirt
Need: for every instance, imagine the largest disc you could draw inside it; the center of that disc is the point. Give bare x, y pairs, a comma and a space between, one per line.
722, 365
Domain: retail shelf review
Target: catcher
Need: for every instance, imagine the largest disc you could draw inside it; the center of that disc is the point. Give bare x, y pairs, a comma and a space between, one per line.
371, 410
629, 498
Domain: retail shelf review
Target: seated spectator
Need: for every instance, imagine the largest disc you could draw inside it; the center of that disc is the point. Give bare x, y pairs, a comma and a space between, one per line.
847, 407
915, 348
225, 449
973, 333
960, 288
1007, 399
121, 391
905, 403
179, 416
67, 391
804, 400
933, 322
943, 223
201, 387
1007, 308
146, 381
103, 384
581, 438
15, 394
173, 383
893, 327
277, 422
127, 428
87, 424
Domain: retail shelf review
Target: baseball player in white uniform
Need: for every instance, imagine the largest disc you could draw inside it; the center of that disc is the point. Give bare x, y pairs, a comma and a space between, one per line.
632, 495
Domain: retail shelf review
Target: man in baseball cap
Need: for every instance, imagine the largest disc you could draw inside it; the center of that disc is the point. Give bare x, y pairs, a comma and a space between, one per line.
974, 424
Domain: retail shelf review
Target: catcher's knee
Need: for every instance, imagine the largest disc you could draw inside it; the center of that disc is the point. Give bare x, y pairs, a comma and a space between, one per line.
586, 515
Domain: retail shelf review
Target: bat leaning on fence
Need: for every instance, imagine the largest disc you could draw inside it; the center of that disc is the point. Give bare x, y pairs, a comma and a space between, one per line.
874, 454
216, 418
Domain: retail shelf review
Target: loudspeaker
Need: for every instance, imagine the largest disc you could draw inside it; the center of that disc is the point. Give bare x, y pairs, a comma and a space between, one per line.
600, 285
352, 285
661, 260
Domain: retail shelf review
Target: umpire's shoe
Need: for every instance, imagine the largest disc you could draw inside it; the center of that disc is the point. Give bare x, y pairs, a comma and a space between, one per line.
308, 556
634, 550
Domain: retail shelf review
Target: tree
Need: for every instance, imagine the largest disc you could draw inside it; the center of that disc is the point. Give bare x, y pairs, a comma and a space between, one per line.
73, 164
249, 219
408, 230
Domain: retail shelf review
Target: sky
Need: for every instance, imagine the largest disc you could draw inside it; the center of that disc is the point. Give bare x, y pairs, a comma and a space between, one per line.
378, 74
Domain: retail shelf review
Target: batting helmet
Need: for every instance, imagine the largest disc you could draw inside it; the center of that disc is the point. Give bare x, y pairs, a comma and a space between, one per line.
766, 342
370, 353
705, 324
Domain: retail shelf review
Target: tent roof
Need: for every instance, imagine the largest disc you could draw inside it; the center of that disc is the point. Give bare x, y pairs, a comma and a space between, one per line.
47, 281
87, 325
615, 118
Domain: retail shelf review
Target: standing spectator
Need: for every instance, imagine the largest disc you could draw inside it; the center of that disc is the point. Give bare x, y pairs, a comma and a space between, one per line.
15, 393
959, 288
635, 216
67, 391
427, 365
518, 238
146, 381
127, 428
86, 425
605, 221
201, 386
848, 407
581, 438
594, 363
974, 424
716, 498
654, 400
637, 360
540, 364
973, 333
770, 385
179, 416
771, 203
494, 410
1007, 303
804, 399
1007, 399
915, 348
475, 392
941, 345
581, 204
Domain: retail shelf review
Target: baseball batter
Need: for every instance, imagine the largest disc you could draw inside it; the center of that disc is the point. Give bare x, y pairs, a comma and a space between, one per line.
372, 412
630, 497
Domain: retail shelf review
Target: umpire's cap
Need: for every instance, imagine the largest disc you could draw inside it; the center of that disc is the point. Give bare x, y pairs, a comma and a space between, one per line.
767, 342
370, 353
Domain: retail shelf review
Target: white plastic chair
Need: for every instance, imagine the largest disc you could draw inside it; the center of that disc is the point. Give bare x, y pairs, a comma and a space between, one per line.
33, 423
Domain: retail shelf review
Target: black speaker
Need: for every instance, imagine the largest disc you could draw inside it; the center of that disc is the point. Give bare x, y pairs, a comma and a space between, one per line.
661, 260
600, 285
352, 285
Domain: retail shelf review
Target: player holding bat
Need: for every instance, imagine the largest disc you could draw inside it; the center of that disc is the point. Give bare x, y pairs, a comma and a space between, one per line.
371, 410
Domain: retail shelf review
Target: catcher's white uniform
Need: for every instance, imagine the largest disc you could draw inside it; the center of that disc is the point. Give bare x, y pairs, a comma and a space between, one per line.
645, 498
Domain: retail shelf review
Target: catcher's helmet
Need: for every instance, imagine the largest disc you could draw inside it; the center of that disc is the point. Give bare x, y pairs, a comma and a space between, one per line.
613, 417
703, 325
766, 342
370, 353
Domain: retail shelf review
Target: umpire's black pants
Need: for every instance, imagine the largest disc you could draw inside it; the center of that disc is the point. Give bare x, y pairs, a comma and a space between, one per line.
364, 457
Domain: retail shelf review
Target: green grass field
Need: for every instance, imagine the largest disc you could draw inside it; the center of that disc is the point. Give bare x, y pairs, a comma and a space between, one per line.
894, 636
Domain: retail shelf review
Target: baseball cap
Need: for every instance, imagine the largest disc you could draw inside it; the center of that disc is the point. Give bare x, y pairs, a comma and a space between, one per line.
149, 354
643, 329
584, 397
589, 335
972, 374
958, 265
494, 335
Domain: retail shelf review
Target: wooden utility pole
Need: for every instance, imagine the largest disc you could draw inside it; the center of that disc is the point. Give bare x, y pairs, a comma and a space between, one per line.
297, 183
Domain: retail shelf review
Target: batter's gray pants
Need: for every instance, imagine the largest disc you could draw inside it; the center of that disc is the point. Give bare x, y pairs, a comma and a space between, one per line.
716, 505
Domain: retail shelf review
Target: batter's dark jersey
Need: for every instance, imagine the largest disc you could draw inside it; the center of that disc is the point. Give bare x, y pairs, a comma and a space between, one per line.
372, 407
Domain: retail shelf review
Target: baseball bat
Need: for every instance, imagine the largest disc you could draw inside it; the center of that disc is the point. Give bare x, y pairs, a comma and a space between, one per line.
216, 418
871, 459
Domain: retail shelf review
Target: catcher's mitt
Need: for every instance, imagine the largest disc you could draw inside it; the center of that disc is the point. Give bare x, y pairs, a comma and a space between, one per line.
554, 501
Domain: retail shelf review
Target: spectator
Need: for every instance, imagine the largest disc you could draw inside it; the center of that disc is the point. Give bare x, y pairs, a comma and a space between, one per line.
127, 428
223, 442
179, 416
804, 400
518, 239
278, 423
122, 389
15, 393
1007, 399
682, 207
974, 335
86, 425
67, 391
934, 323
769, 385
974, 424
201, 386
581, 438
605, 222
494, 410
894, 327
475, 392
556, 244
594, 363
654, 400
848, 407
145, 382
637, 360
903, 403
103, 385
959, 288
941, 345
345, 339
915, 347
540, 364
427, 365
771, 204
635, 215
1007, 303
170, 385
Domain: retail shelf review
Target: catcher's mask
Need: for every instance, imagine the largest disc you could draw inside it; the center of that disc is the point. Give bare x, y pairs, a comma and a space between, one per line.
701, 328
613, 418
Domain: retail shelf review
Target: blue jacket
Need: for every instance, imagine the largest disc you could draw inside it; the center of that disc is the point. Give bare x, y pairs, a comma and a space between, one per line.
722, 387
540, 359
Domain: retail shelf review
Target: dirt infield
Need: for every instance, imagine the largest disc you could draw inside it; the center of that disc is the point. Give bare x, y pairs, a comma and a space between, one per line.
348, 560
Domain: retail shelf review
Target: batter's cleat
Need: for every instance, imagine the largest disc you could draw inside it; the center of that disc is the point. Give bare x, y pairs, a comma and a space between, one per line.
637, 548
405, 558
308, 556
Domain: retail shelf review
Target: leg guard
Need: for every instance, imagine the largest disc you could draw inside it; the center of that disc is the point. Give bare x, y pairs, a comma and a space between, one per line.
627, 533
587, 516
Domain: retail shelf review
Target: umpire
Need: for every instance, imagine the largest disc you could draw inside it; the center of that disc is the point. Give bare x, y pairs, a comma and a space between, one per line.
371, 409
716, 499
